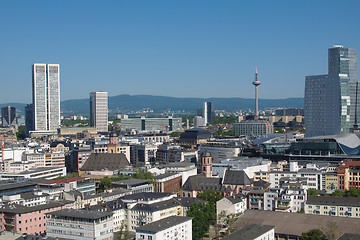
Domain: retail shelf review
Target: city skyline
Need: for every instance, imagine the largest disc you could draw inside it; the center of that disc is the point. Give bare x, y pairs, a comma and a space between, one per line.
129, 49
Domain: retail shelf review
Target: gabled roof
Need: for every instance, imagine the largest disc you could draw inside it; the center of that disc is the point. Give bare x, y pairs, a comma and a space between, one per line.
236, 198
101, 161
236, 177
202, 183
262, 184
252, 231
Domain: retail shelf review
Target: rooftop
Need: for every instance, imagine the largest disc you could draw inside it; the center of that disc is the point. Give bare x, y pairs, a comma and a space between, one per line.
81, 213
163, 224
251, 231
327, 200
67, 180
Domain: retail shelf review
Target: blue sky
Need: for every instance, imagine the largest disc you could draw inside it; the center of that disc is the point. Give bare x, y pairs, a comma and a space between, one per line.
179, 48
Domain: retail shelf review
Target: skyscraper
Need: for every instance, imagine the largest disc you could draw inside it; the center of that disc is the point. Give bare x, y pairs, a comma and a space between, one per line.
209, 114
330, 99
8, 116
99, 111
46, 97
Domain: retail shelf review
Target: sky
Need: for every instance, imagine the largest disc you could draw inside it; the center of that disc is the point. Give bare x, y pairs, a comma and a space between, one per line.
188, 48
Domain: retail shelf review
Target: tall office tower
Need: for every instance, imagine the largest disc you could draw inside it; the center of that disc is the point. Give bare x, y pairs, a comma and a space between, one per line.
209, 114
330, 99
99, 111
46, 97
29, 119
8, 116
256, 83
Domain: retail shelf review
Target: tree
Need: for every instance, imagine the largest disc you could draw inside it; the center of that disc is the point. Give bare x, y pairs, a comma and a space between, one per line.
142, 174
331, 231
313, 234
20, 135
201, 216
312, 192
352, 192
105, 183
176, 134
338, 193
212, 197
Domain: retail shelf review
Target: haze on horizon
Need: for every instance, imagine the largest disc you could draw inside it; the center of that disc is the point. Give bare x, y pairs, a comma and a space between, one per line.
172, 48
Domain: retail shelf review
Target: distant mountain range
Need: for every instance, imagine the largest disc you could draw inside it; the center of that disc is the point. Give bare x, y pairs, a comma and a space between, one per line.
160, 103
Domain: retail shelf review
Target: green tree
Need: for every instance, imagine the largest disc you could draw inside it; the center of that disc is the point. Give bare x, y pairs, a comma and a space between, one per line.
142, 174
105, 183
201, 216
20, 135
211, 197
312, 192
338, 193
176, 134
352, 192
69, 175
313, 234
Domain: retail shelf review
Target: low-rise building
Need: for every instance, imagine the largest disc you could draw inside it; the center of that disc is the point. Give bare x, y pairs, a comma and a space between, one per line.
253, 232
80, 224
168, 182
333, 206
231, 205
135, 185
44, 172
174, 227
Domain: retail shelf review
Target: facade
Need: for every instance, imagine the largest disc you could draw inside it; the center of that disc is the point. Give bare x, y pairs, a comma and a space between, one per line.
46, 97
29, 220
333, 206
44, 172
199, 122
8, 116
80, 224
99, 111
235, 204
289, 112
175, 227
349, 175
209, 112
168, 182
144, 124
330, 99
29, 119
252, 127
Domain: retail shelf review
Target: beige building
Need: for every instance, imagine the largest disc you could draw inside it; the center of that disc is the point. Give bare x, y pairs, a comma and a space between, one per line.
333, 206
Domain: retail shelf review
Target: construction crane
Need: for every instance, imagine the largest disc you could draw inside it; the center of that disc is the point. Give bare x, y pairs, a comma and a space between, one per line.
167, 128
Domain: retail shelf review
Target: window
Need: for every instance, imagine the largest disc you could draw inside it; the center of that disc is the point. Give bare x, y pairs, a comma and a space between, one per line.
142, 237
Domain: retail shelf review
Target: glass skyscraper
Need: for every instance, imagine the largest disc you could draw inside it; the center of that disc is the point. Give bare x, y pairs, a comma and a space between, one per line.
46, 97
330, 99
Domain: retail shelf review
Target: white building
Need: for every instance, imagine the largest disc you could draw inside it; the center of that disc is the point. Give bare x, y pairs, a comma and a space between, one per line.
274, 177
99, 111
46, 97
231, 205
175, 227
80, 224
45, 172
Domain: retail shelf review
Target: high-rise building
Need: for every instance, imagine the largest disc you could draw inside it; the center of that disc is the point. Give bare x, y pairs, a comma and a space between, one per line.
8, 116
46, 97
99, 111
209, 114
330, 99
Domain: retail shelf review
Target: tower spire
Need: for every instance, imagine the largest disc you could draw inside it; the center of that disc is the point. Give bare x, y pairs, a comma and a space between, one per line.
256, 83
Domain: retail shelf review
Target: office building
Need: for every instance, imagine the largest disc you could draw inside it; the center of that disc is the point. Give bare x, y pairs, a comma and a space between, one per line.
29, 119
99, 111
144, 124
8, 116
253, 127
209, 114
174, 227
80, 224
330, 99
46, 97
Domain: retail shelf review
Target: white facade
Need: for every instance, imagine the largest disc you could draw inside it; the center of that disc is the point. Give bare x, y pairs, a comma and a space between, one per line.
83, 226
46, 97
46, 172
99, 111
170, 230
274, 177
